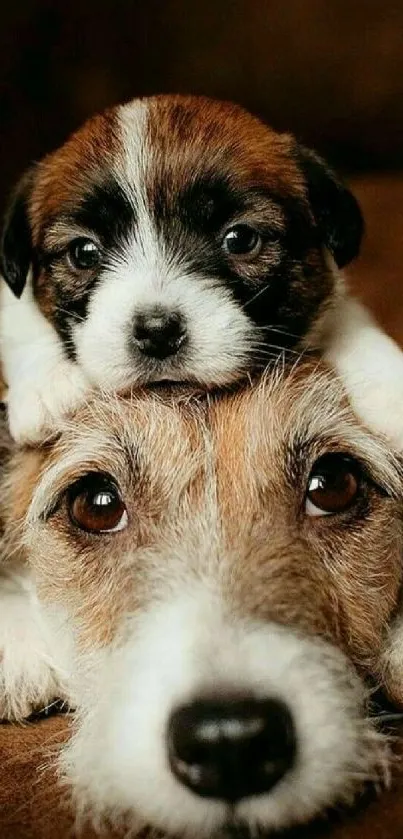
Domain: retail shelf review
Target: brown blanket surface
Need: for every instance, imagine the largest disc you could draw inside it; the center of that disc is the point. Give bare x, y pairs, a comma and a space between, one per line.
32, 805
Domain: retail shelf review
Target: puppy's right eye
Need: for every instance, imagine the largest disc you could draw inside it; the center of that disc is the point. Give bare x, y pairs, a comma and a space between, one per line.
242, 241
95, 505
84, 254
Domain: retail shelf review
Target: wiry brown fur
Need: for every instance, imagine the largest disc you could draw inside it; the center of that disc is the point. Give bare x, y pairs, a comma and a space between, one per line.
219, 482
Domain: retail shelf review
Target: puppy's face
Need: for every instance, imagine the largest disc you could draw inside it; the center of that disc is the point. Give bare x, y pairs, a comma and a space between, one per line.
218, 568
178, 238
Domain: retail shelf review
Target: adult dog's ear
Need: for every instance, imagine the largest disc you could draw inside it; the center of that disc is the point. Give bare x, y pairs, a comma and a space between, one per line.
16, 239
336, 212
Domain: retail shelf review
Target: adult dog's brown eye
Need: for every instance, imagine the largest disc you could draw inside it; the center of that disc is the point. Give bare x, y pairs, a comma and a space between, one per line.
95, 505
242, 240
84, 254
333, 485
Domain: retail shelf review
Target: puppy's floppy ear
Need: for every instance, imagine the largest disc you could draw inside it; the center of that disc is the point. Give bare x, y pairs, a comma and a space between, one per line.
16, 240
335, 210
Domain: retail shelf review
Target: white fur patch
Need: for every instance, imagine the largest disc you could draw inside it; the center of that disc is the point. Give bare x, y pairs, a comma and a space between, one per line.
219, 333
34, 649
118, 757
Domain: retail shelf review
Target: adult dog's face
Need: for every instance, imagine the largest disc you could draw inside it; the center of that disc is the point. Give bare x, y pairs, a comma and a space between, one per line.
218, 568
178, 238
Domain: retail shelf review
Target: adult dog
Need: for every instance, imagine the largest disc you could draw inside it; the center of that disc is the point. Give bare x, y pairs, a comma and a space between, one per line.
210, 582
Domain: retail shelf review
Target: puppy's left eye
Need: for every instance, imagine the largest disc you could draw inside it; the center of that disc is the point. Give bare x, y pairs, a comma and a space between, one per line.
84, 254
242, 240
333, 485
95, 505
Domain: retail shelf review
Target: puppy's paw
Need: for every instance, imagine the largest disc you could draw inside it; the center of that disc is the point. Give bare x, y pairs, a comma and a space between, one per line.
381, 408
370, 365
26, 686
37, 406
28, 681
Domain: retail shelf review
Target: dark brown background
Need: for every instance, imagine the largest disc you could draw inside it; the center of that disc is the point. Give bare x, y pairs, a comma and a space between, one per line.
330, 70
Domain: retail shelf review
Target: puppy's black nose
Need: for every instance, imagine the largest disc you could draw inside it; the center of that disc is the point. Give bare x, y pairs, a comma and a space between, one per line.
158, 334
231, 749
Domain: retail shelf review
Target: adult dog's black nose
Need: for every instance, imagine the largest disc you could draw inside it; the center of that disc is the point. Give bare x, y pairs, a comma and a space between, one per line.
231, 749
158, 333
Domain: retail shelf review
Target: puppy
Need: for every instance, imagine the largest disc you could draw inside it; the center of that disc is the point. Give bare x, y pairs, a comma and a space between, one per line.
178, 238
214, 581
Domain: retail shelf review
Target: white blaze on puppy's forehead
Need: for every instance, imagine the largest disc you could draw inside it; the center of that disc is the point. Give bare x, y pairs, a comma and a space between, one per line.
136, 163
133, 120
136, 159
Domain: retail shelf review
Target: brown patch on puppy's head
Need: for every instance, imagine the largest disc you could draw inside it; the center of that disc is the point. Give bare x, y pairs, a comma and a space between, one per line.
48, 189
